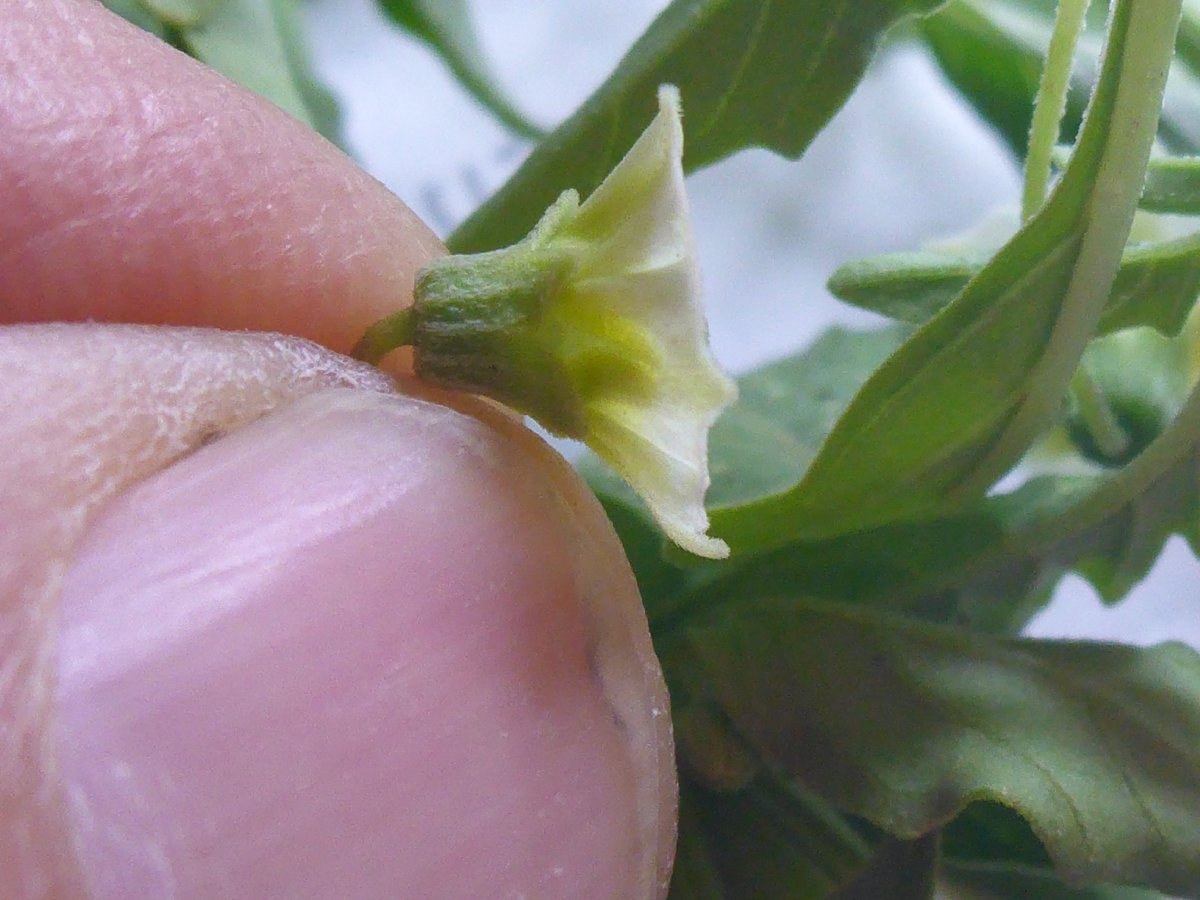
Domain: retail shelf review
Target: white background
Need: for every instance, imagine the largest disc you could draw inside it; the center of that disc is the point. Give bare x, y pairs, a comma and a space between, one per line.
904, 162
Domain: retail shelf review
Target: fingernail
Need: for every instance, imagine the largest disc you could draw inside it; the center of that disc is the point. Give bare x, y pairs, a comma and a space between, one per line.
340, 652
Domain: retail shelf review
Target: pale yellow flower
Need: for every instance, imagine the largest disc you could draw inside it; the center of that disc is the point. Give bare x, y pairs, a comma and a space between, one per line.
592, 325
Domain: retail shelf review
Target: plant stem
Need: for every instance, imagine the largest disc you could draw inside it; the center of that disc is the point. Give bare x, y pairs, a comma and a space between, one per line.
386, 335
1097, 415
1051, 103
1099, 190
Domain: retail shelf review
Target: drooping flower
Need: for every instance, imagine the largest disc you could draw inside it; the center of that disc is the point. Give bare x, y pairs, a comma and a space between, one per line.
592, 326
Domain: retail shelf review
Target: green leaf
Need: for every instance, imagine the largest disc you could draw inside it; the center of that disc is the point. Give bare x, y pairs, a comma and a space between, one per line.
1097, 746
445, 26
767, 840
1114, 529
321, 106
659, 579
908, 287
253, 43
257, 43
695, 875
995, 564
751, 73
785, 410
1156, 285
963, 399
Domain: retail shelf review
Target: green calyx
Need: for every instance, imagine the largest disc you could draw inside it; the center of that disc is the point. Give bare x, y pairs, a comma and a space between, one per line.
510, 324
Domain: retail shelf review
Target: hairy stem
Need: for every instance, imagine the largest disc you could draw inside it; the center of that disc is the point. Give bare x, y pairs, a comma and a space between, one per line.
386, 335
1051, 103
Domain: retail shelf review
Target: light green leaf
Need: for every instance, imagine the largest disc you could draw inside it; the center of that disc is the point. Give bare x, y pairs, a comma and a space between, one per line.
322, 108
1157, 284
963, 399
751, 73
908, 287
445, 25
257, 43
1173, 185
254, 43
1097, 746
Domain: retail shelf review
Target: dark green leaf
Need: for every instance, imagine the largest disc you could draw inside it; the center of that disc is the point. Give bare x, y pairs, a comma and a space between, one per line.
990, 833
695, 876
901, 870
1141, 378
989, 851
659, 580
1156, 285
751, 73
445, 25
768, 840
1096, 745
997, 882
963, 399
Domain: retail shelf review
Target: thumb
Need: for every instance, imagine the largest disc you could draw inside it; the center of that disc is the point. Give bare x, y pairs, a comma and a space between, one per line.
365, 645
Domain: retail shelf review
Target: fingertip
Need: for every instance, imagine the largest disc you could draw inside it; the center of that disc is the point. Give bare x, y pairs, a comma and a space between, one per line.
143, 187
